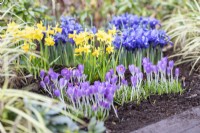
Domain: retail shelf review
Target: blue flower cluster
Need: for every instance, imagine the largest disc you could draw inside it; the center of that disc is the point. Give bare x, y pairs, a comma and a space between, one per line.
68, 25
138, 32
126, 21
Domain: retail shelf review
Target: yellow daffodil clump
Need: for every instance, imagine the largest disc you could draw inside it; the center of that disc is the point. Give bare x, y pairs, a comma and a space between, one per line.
31, 34
84, 42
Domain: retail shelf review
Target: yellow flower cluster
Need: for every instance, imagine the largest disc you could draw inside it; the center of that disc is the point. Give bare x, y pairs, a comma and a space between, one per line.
83, 40
31, 34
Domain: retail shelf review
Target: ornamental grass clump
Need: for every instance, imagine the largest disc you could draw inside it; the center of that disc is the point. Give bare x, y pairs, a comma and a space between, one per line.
71, 86
139, 37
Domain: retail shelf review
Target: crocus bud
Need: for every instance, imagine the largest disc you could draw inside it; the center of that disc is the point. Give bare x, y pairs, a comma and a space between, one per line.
171, 64
111, 72
155, 69
109, 97
114, 79
168, 71
134, 81
145, 60
62, 82
46, 80
81, 68
140, 75
131, 69
56, 92
177, 72
42, 74
54, 75
124, 82
148, 69
108, 76
42, 84
106, 105
137, 70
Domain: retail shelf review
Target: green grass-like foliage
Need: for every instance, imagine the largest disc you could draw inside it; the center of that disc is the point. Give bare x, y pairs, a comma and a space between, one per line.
184, 29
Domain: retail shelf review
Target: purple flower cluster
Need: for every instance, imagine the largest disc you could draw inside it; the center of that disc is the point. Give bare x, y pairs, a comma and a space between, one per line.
68, 25
138, 32
161, 73
126, 21
163, 66
72, 84
160, 78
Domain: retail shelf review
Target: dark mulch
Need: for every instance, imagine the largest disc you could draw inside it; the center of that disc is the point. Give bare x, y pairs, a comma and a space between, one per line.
156, 108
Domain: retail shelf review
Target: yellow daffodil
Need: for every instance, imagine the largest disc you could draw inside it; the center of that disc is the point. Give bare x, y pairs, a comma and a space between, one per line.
40, 26
96, 52
12, 27
81, 38
109, 49
78, 50
50, 31
26, 47
72, 36
28, 33
86, 49
49, 41
38, 35
109, 39
113, 31
101, 35
57, 29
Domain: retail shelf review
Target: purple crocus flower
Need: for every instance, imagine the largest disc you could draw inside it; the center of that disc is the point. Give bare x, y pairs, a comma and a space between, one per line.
124, 82
140, 75
54, 75
163, 67
134, 80
108, 76
137, 70
114, 79
131, 69
111, 71
120, 70
62, 82
109, 97
81, 68
65, 73
145, 60
50, 71
177, 72
106, 105
42, 74
171, 64
56, 92
168, 71
155, 69
164, 60
148, 68
77, 73
42, 84
46, 79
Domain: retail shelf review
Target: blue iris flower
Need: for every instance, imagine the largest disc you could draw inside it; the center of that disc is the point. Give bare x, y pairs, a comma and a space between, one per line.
68, 25
138, 32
